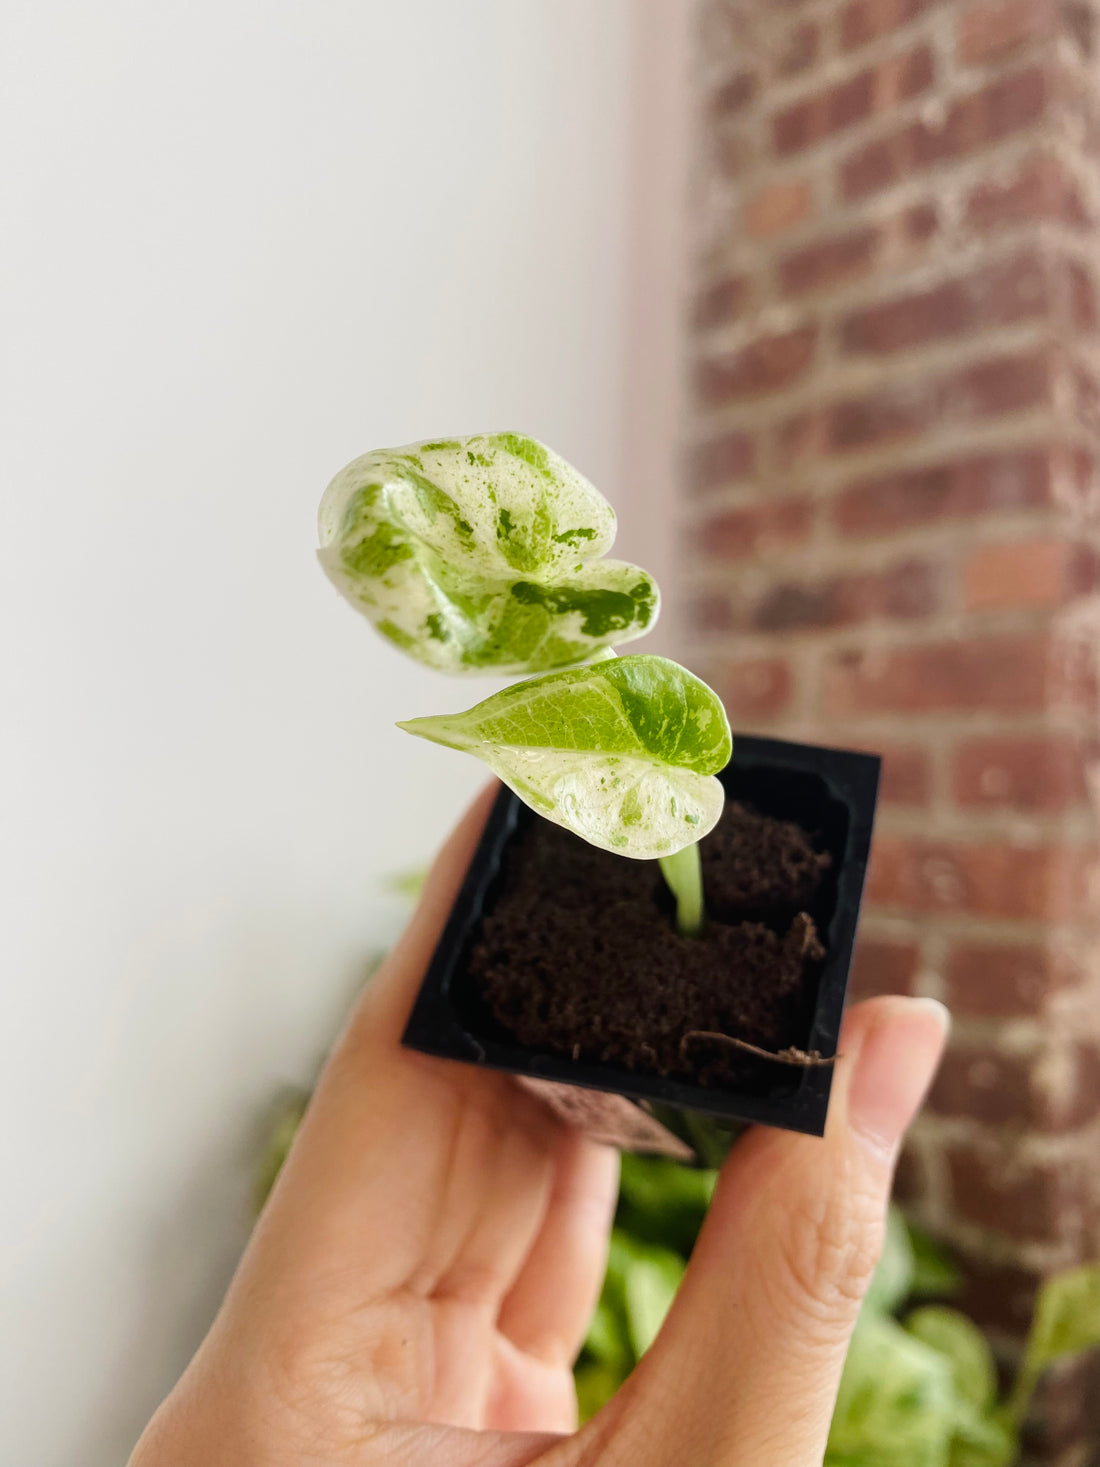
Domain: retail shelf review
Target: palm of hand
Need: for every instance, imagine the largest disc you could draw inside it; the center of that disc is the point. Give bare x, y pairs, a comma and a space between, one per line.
483, 1245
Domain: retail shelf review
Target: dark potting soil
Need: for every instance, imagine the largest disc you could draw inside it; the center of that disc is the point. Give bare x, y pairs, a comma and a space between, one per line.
579, 953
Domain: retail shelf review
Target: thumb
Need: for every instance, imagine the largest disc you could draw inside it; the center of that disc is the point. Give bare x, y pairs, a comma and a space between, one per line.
747, 1366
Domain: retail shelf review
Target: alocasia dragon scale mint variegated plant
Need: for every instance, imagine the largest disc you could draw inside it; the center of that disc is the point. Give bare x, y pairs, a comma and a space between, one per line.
487, 554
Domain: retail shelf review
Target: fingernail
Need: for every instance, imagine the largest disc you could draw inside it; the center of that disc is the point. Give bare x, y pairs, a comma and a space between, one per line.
895, 1066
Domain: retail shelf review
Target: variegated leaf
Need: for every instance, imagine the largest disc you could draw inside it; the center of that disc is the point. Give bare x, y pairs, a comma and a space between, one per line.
481, 554
624, 753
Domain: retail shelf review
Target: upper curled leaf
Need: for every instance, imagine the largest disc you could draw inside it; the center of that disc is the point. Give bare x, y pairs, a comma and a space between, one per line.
482, 553
623, 753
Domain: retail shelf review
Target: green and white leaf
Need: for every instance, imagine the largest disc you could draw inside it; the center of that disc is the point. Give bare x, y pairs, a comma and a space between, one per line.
481, 553
623, 753
896, 1405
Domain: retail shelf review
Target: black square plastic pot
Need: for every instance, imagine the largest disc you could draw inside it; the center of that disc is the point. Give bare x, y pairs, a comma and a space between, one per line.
831, 794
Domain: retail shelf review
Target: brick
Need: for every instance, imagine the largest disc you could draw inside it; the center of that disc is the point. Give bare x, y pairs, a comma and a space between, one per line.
993, 674
998, 1296
798, 50
979, 878
881, 416
957, 489
756, 687
976, 121
873, 167
913, 1181
1074, 669
998, 294
1039, 773
996, 1188
877, 89
734, 152
904, 237
906, 774
799, 438
995, 30
1003, 980
993, 1089
1086, 397
777, 208
1055, 1088
1082, 297
722, 460
1039, 188
723, 301
756, 529
884, 966
906, 591
986, 116
1079, 24
1022, 574
828, 262
1003, 384
919, 222
1066, 1085
734, 95
767, 364
862, 21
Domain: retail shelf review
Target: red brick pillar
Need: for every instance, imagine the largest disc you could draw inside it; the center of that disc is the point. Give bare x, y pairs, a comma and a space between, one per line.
894, 504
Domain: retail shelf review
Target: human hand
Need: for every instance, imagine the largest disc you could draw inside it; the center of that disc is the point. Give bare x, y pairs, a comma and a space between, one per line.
424, 1271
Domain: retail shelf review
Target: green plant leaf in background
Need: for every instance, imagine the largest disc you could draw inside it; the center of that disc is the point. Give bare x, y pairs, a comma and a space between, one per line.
650, 1286
623, 753
663, 1202
981, 1437
639, 1287
1066, 1322
984, 1441
481, 554
896, 1405
893, 1277
935, 1274
974, 1372
608, 1339
596, 1384
281, 1129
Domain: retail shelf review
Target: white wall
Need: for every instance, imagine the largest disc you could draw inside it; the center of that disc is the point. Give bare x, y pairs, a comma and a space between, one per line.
244, 242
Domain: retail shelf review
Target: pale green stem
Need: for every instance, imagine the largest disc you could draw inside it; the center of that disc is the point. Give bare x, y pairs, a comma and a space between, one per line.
684, 874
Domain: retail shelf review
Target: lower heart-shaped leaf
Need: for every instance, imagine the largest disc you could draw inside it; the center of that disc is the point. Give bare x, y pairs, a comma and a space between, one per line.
623, 753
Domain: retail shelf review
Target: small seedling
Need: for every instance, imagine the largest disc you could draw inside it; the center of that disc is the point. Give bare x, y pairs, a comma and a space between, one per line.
487, 554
